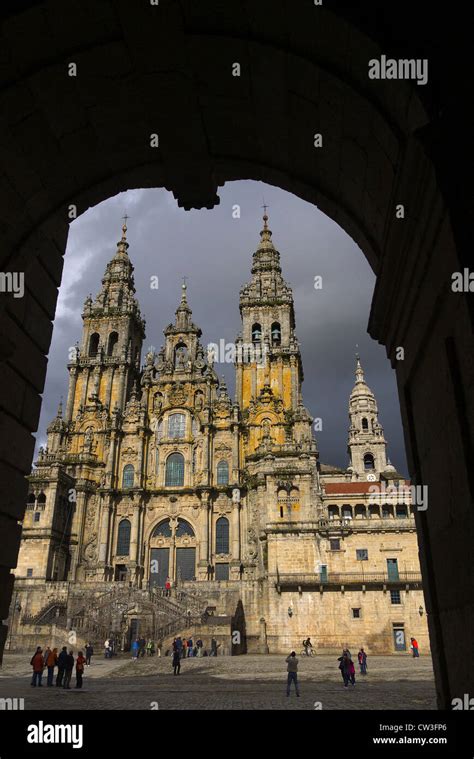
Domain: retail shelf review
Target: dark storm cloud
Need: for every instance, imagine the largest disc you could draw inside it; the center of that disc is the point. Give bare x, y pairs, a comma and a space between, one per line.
214, 250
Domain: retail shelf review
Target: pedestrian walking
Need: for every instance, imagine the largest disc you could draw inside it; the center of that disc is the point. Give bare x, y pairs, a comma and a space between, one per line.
167, 587
62, 660
80, 661
68, 670
346, 667
176, 662
362, 658
89, 653
190, 647
37, 662
292, 669
51, 662
185, 649
135, 649
213, 647
414, 647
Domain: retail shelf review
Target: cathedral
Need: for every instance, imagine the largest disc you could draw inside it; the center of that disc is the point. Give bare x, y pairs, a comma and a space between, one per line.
153, 476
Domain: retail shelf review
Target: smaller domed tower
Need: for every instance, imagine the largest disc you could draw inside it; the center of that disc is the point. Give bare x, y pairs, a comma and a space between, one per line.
366, 444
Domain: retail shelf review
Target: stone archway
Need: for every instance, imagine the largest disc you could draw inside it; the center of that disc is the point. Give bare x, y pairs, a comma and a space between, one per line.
163, 76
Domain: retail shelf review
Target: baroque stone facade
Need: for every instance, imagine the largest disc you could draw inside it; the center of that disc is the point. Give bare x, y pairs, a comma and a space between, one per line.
153, 473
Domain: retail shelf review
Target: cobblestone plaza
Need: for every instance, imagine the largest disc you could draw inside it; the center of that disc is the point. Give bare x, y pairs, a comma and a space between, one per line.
230, 683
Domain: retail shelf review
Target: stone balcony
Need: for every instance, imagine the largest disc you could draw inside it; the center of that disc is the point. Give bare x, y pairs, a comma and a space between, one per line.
342, 580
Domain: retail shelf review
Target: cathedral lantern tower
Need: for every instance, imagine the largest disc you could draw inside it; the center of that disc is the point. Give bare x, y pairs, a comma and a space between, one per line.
107, 362
366, 444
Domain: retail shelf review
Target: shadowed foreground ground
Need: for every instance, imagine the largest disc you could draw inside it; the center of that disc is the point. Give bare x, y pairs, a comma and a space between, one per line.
243, 682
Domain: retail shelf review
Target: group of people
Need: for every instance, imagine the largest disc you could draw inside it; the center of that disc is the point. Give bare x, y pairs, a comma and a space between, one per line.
64, 661
185, 648
346, 666
141, 646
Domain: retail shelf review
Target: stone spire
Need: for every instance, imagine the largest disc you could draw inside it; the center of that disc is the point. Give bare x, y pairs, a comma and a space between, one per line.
117, 294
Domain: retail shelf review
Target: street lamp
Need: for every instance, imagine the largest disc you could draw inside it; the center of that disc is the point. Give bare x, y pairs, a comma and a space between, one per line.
420, 611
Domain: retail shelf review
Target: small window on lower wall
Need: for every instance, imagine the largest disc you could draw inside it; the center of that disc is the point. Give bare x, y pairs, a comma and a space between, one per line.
356, 613
37, 516
395, 597
362, 554
222, 572
29, 573
335, 544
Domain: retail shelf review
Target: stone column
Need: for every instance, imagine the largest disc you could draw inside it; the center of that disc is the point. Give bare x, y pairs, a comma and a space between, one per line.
203, 537
77, 530
104, 532
121, 389
71, 393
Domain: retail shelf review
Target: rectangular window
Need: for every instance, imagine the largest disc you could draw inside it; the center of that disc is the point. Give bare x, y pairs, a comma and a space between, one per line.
356, 613
395, 597
335, 544
29, 573
401, 512
37, 516
362, 554
222, 571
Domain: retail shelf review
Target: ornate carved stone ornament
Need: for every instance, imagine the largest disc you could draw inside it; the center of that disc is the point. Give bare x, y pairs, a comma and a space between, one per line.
129, 453
90, 550
177, 395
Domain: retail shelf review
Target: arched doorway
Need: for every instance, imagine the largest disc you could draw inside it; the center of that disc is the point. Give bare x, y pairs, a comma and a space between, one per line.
386, 143
172, 552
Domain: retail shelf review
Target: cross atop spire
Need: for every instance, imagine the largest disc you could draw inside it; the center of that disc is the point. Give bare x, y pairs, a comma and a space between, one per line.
124, 226
265, 215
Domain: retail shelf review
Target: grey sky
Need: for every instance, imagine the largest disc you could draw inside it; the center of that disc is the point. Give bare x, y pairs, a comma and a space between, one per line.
214, 250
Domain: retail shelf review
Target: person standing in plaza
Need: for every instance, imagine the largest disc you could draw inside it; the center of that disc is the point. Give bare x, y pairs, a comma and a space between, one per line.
135, 649
62, 660
68, 670
176, 661
190, 647
37, 662
414, 648
51, 661
80, 661
167, 587
362, 658
89, 652
292, 669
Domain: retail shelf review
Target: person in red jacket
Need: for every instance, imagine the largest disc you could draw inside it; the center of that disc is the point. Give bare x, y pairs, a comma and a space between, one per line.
80, 661
38, 666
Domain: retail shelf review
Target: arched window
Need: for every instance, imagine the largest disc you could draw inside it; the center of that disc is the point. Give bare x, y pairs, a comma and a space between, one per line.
157, 459
94, 344
368, 462
256, 333
30, 501
184, 528
222, 535
176, 425
41, 500
174, 470
276, 334
223, 473
123, 538
128, 476
162, 530
365, 424
112, 344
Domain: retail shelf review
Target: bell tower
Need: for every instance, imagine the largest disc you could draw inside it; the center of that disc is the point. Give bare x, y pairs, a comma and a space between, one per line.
104, 367
269, 371
366, 444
